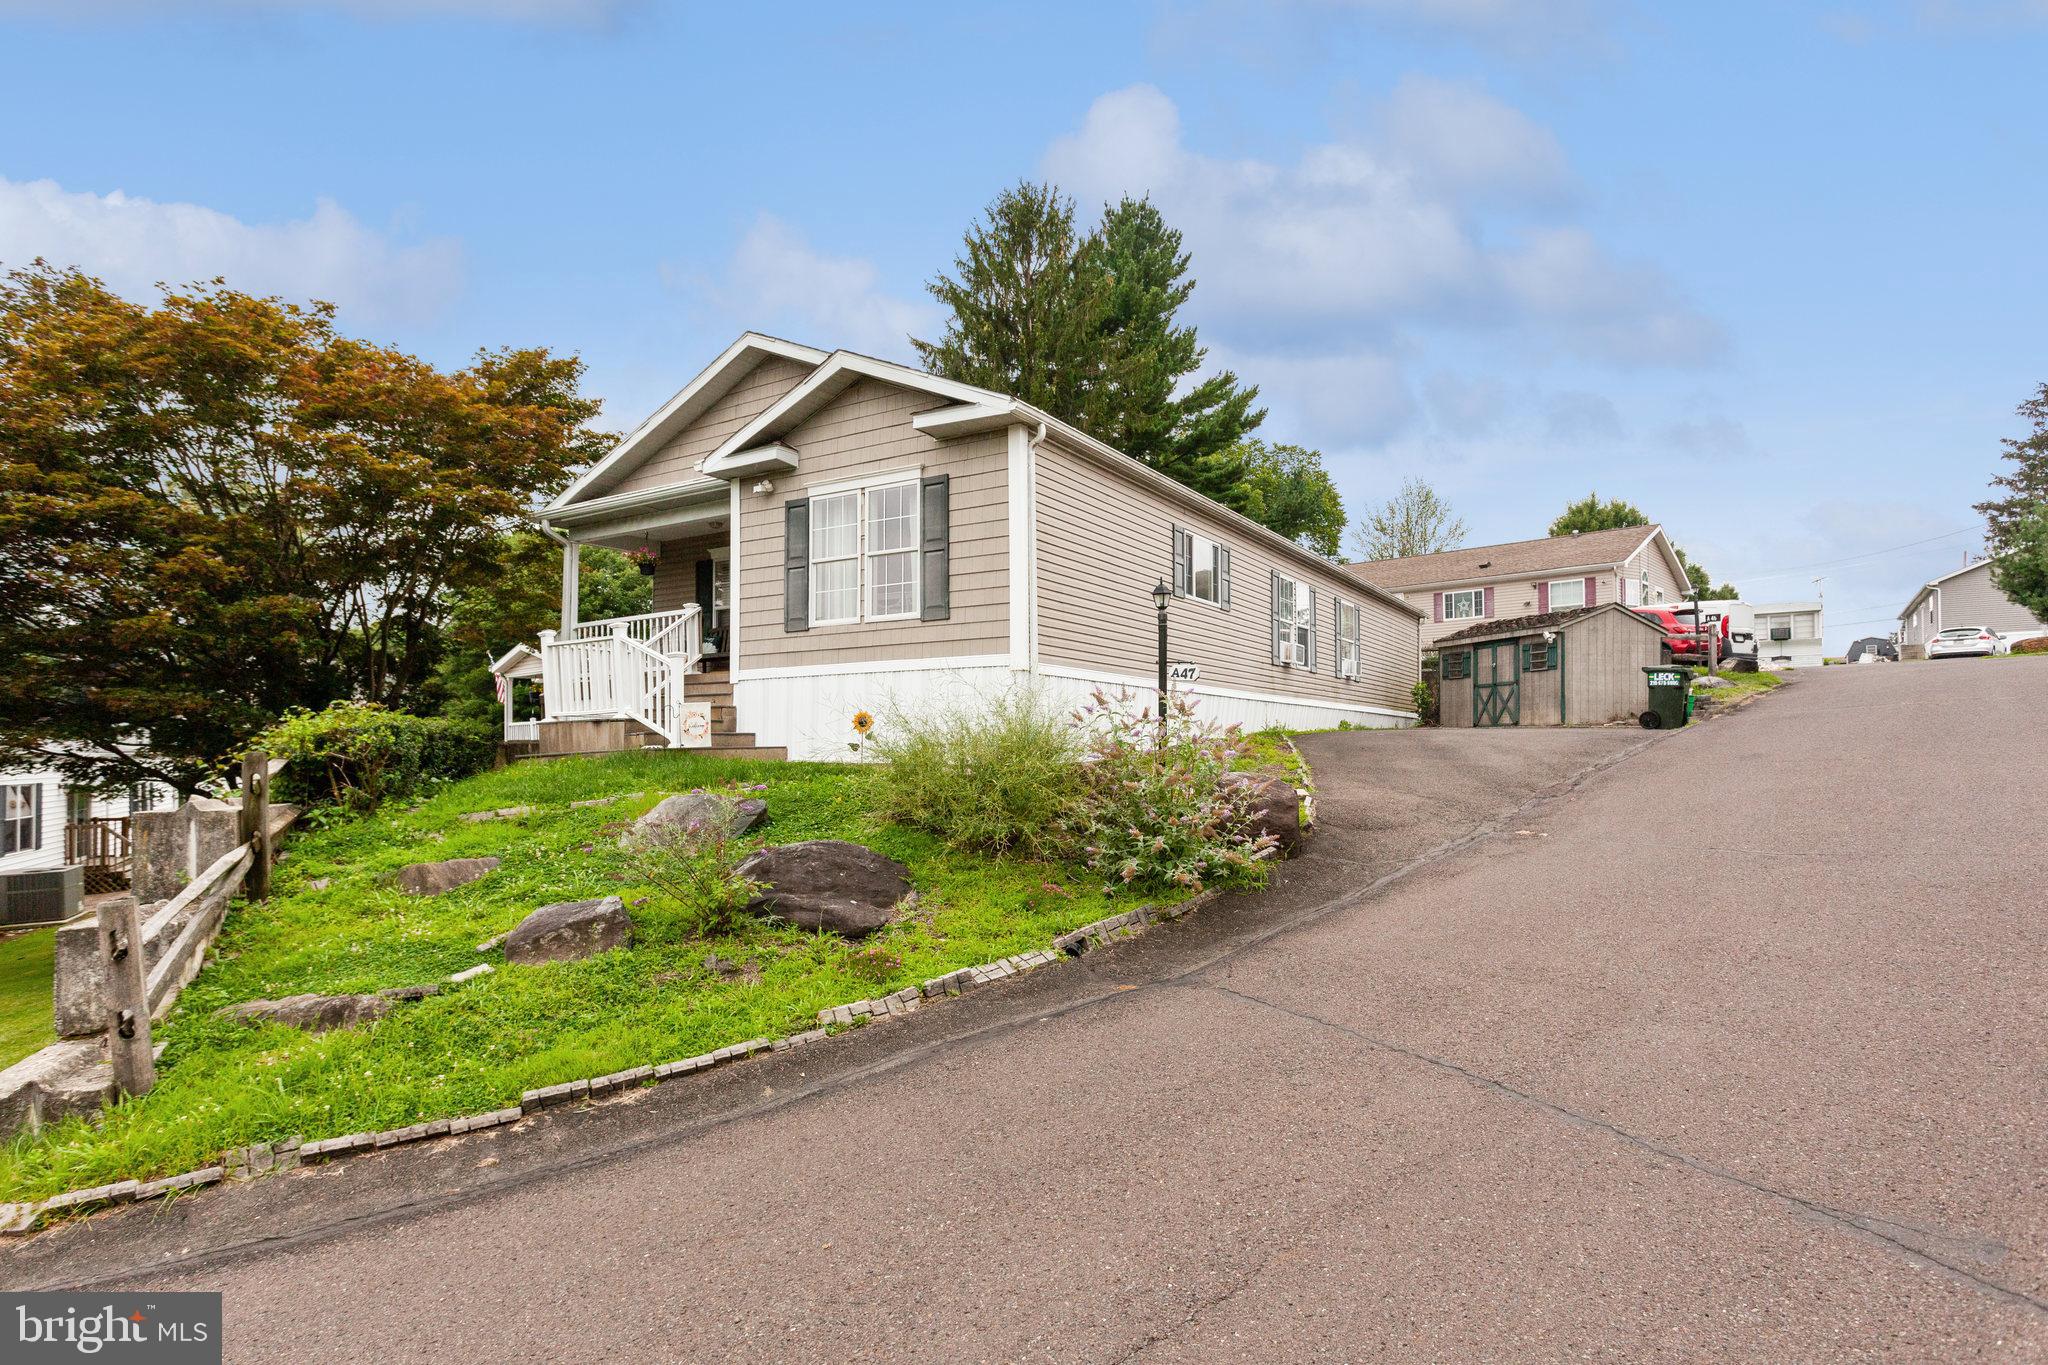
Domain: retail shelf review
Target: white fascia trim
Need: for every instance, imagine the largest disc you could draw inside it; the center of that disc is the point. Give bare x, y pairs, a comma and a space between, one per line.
640, 500
842, 368
1021, 474
908, 474
1150, 685
511, 657
751, 346
878, 666
763, 459
1670, 558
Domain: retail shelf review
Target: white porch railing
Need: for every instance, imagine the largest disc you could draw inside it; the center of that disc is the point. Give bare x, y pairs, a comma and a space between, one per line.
623, 668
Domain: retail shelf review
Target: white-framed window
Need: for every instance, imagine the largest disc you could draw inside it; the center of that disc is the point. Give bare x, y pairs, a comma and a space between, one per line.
1201, 568
835, 558
1566, 593
1294, 622
1347, 639
1632, 590
864, 551
21, 817
1465, 604
892, 551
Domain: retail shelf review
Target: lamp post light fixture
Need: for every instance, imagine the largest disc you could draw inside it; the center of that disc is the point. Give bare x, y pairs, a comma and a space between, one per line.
1160, 596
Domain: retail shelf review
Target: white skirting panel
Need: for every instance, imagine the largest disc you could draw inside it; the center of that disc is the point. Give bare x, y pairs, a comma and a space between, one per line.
810, 712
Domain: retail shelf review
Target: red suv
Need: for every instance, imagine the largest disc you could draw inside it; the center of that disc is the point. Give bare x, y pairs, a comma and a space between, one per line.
1680, 644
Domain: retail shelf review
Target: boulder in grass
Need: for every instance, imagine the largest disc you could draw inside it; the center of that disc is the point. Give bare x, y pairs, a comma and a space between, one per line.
691, 819
570, 931
1274, 808
431, 879
826, 884
313, 1013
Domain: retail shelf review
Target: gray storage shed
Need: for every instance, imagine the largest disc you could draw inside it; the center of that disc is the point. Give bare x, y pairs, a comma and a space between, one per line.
1578, 667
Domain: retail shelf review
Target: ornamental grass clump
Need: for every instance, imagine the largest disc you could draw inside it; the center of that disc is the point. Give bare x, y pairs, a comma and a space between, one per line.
1157, 808
1003, 776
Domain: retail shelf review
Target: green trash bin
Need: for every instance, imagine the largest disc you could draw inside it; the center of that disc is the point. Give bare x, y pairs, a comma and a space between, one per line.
1670, 697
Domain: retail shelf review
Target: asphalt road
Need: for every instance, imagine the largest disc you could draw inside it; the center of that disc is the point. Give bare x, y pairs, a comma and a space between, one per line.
1535, 1094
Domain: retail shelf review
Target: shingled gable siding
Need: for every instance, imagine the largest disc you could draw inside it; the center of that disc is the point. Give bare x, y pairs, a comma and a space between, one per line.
676, 461
1104, 540
866, 431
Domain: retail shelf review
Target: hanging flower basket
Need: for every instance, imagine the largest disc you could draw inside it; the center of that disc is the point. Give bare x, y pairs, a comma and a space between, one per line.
644, 560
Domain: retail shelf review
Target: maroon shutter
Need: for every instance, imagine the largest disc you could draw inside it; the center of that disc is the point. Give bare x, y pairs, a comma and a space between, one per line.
1488, 611
1439, 606
1592, 590
1542, 598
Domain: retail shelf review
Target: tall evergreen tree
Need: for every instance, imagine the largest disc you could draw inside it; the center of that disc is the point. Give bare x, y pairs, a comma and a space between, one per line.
1149, 358
2025, 485
1025, 301
1085, 327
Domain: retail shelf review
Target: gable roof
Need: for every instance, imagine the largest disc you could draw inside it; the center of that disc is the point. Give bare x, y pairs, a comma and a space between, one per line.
1532, 625
713, 382
1515, 559
967, 409
1931, 584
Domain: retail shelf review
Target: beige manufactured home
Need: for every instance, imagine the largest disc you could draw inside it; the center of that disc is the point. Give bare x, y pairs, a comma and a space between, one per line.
1578, 667
835, 534
1456, 589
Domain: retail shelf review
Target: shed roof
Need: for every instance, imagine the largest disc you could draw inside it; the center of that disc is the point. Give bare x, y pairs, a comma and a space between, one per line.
1534, 625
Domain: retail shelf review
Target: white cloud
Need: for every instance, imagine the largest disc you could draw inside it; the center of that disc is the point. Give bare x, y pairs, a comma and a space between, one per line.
1361, 393
134, 243
1576, 418
777, 280
1357, 241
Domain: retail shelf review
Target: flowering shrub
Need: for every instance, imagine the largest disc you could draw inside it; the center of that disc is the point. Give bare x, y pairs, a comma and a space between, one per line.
1155, 809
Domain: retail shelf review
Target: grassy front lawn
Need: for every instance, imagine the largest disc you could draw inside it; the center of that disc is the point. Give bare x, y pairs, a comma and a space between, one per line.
25, 993
478, 1045
1740, 685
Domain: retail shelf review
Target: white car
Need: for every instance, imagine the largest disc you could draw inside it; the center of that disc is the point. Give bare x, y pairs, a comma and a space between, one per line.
1961, 641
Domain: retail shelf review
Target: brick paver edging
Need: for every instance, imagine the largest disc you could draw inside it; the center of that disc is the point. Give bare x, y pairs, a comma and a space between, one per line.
244, 1163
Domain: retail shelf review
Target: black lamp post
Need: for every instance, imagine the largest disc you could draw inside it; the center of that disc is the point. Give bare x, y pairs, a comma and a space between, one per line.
1160, 595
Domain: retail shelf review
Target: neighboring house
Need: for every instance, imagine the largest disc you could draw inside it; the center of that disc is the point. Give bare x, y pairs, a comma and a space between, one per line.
1455, 589
1581, 666
47, 824
1966, 597
1788, 634
836, 534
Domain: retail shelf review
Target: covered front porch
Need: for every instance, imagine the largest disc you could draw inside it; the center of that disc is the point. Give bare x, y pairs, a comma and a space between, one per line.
658, 679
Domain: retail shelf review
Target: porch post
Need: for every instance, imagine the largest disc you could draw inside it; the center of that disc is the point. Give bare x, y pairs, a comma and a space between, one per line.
572, 558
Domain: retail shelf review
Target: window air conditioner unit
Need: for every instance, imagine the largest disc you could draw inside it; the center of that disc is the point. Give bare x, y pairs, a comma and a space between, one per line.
1781, 632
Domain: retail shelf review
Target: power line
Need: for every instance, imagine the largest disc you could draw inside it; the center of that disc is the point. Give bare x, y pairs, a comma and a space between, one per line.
1868, 554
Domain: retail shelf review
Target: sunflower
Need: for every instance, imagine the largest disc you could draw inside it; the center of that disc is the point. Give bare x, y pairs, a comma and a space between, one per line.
862, 722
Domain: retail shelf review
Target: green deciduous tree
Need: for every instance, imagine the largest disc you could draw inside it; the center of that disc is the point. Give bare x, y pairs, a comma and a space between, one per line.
218, 507
2025, 483
1591, 514
2021, 569
1415, 521
1287, 488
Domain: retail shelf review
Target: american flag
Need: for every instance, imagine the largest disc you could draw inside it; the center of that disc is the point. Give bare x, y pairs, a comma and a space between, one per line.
502, 685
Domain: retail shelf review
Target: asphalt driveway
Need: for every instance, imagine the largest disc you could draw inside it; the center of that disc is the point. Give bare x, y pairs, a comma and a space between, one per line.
1482, 1078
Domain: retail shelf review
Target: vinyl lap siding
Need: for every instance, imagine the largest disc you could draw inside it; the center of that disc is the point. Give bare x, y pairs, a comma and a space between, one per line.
866, 431
1104, 541
1972, 599
676, 462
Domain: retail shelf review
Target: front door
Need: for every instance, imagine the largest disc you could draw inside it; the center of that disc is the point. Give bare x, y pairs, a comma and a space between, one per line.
1496, 684
714, 594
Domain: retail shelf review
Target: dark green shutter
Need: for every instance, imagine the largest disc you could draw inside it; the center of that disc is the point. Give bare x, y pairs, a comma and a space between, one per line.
796, 564
1278, 625
1224, 568
1312, 650
936, 561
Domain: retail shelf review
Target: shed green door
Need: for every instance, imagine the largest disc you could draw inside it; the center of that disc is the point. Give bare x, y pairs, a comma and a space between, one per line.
1496, 684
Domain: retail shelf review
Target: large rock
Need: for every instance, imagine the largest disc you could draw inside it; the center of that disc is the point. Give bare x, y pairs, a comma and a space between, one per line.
691, 819
64, 1080
1275, 808
826, 884
570, 931
313, 1013
431, 879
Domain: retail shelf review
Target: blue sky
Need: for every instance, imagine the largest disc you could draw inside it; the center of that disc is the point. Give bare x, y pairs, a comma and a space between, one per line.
1771, 272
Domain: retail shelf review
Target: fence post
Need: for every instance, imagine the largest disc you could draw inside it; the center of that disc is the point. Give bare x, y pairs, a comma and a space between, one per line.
256, 821
127, 979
